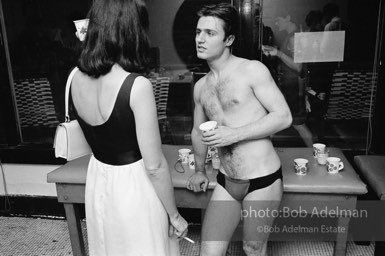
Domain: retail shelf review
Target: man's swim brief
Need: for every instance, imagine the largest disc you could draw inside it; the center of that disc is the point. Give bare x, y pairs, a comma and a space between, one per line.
238, 189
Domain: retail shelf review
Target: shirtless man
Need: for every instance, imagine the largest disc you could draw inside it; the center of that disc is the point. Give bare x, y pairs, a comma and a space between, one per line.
242, 97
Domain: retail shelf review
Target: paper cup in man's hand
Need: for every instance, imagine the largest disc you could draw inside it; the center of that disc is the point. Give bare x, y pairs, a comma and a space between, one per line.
208, 126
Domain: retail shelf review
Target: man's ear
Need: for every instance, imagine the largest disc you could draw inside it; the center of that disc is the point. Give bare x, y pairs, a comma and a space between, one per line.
230, 40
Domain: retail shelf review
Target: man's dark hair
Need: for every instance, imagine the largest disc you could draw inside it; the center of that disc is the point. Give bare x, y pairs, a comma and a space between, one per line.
117, 33
313, 19
225, 12
331, 10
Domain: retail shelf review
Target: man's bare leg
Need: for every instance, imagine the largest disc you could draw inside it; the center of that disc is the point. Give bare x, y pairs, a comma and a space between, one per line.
221, 219
266, 199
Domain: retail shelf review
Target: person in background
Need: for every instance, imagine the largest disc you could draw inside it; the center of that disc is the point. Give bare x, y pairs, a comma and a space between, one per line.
130, 205
243, 98
291, 77
332, 19
318, 81
313, 21
270, 62
333, 22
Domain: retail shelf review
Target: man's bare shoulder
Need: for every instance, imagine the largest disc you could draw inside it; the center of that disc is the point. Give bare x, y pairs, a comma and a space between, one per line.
201, 82
254, 65
254, 69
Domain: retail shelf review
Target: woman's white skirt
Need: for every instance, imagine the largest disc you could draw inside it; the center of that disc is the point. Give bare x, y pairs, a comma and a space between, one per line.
124, 215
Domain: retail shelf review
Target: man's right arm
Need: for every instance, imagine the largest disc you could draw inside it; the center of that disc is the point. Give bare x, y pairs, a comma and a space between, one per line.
199, 180
200, 150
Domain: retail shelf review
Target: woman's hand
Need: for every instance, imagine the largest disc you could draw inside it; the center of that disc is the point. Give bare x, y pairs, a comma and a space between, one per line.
269, 50
178, 226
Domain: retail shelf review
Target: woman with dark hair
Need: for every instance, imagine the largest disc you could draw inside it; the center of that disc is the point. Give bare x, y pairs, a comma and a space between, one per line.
130, 205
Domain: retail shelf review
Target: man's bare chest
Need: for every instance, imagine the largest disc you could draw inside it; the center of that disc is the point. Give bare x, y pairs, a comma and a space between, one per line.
220, 97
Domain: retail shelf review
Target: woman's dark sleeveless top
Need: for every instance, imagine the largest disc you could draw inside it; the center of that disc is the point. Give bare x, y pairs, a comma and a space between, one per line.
114, 142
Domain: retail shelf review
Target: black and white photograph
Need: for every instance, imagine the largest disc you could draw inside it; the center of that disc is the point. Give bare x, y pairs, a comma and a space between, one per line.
192, 128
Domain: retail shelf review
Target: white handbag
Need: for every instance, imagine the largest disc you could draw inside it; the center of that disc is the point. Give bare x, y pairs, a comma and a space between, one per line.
69, 142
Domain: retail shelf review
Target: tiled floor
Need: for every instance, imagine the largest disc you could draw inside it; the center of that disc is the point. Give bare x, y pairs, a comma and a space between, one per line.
37, 237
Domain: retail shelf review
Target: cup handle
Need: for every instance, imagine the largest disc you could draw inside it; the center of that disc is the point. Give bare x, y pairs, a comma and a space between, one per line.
341, 166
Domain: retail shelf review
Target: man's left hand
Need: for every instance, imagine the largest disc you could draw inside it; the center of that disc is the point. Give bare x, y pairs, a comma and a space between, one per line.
220, 137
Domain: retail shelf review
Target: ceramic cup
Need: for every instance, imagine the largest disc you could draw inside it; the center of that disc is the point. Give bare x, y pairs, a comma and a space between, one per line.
184, 155
300, 166
334, 164
318, 148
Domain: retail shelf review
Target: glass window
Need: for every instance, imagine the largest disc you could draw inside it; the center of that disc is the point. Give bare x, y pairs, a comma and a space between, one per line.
42, 49
323, 55
315, 52
3, 134
4, 82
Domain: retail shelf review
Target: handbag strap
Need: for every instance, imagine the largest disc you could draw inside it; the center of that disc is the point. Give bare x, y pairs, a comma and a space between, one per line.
67, 93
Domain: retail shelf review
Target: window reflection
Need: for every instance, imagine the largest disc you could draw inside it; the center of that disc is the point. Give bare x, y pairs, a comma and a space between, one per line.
322, 68
42, 48
328, 50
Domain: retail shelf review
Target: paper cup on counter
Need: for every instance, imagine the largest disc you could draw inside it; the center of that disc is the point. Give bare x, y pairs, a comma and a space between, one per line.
334, 165
318, 148
184, 154
300, 166
191, 161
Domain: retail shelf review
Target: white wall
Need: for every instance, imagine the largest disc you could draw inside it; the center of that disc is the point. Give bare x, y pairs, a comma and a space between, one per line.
27, 179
